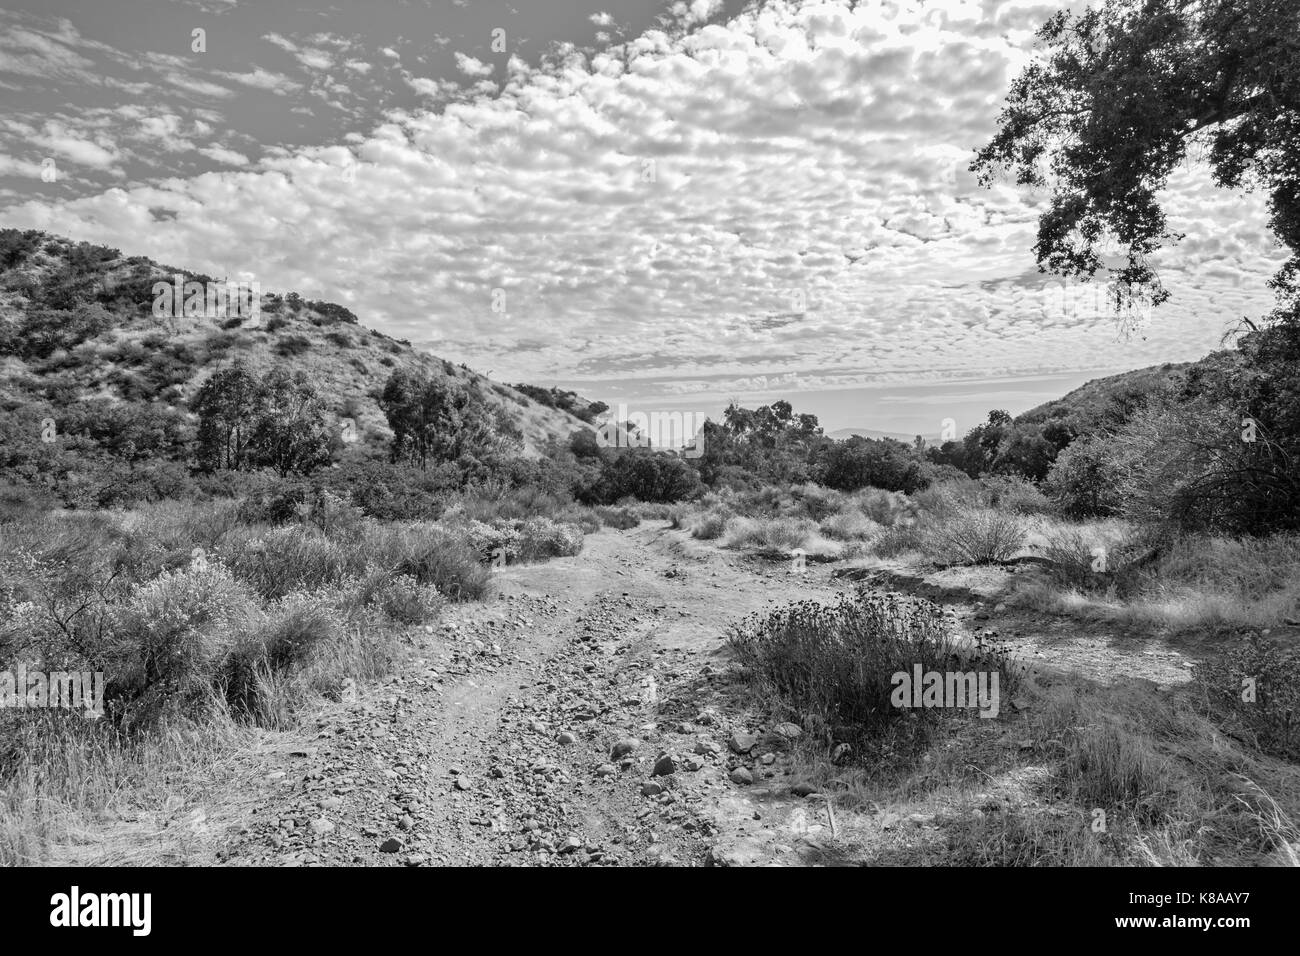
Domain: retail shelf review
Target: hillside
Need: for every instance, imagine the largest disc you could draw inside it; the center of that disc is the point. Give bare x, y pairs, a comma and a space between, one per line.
77, 324
1108, 401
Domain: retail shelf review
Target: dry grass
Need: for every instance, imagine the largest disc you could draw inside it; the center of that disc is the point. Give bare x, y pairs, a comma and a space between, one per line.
1089, 776
1195, 582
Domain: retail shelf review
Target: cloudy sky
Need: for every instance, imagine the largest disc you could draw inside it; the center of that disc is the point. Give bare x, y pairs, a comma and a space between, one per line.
658, 202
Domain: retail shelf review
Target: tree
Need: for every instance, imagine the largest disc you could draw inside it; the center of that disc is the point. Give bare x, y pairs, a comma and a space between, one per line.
859, 462
292, 434
1113, 106
228, 404
437, 418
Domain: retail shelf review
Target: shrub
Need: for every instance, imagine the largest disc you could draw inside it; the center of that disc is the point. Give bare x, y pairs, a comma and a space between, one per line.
815, 502
292, 558
292, 345
434, 556
1187, 463
711, 525
964, 535
256, 677
584, 518
849, 526
541, 538
834, 664
399, 598
771, 535
886, 508
1011, 493
1269, 676
897, 540
172, 636
1082, 482
620, 518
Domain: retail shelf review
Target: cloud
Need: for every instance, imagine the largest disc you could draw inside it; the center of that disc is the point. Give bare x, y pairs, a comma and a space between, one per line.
259, 78
227, 157
472, 67
775, 200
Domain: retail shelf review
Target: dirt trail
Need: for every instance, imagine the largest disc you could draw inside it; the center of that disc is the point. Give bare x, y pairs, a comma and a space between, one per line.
493, 745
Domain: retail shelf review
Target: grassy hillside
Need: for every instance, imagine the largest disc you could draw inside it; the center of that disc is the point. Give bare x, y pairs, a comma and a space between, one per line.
1106, 402
77, 325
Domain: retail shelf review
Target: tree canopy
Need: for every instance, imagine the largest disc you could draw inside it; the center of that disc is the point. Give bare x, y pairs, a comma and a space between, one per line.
1122, 93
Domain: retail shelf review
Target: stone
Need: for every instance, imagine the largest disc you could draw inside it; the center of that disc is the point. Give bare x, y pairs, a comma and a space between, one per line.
707, 747
406, 823
742, 775
665, 765
570, 845
693, 763
391, 845
462, 783
742, 743
651, 788
566, 738
321, 826
623, 747
789, 731
803, 789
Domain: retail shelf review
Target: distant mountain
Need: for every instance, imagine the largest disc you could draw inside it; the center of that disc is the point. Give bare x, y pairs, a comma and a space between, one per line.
78, 324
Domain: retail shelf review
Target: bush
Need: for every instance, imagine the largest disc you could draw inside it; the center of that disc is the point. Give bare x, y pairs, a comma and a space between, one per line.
584, 518
292, 558
1082, 482
541, 538
898, 540
1270, 676
711, 525
292, 345
815, 502
1188, 463
399, 598
833, 665
771, 535
1011, 493
849, 526
964, 535
886, 508
172, 637
644, 475
255, 676
434, 556
620, 518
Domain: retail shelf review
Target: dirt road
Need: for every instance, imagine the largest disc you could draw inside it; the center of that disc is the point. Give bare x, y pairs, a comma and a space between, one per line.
581, 717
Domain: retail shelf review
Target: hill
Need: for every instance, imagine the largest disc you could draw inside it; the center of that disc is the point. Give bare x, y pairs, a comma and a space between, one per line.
1106, 402
78, 324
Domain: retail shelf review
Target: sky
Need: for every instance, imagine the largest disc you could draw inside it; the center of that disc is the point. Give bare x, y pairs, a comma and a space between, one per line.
660, 203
